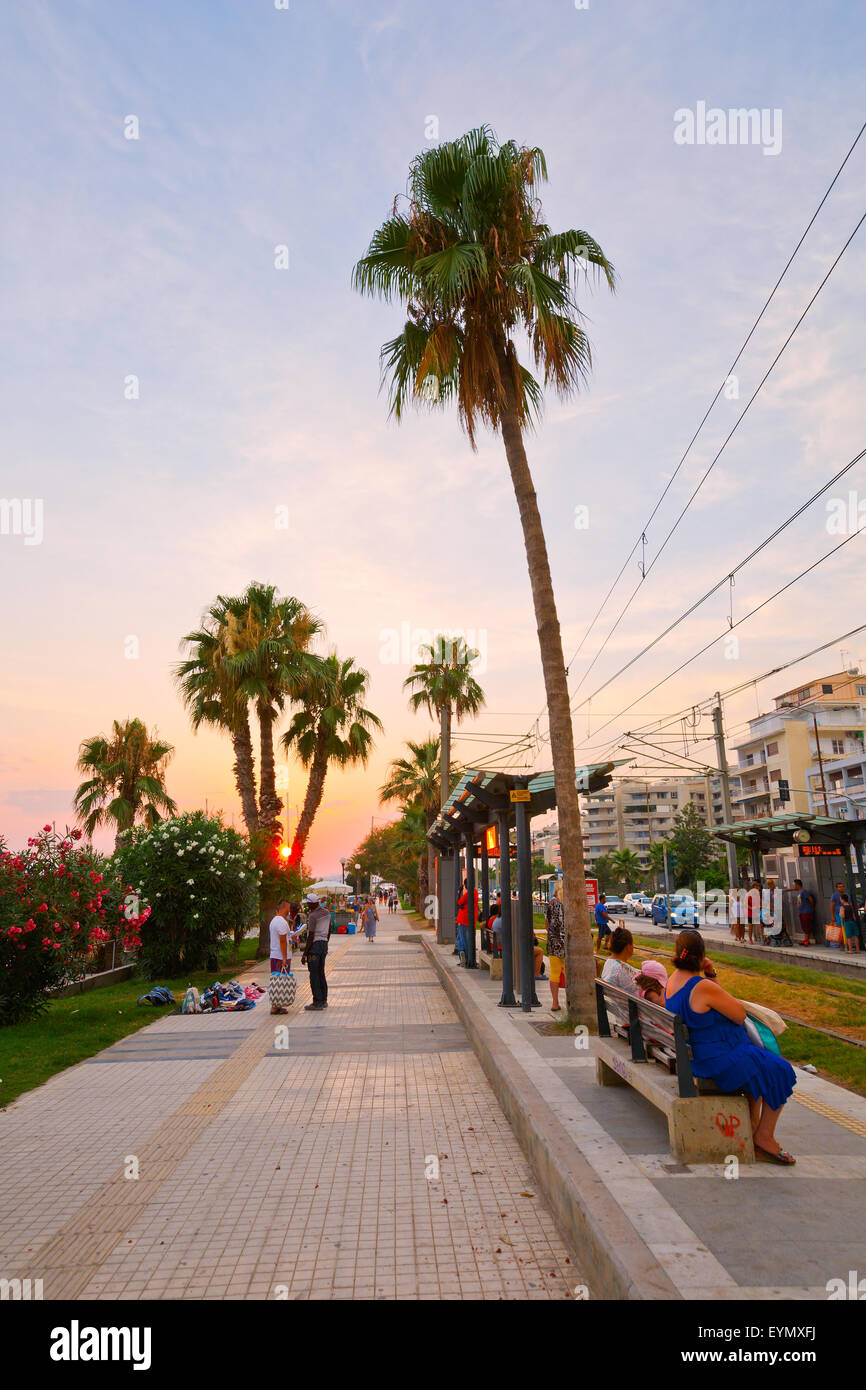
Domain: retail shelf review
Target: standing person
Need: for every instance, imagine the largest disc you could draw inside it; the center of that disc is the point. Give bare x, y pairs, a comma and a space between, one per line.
371, 917
735, 902
836, 902
805, 911
753, 913
463, 921
602, 920
316, 950
281, 943
556, 946
850, 926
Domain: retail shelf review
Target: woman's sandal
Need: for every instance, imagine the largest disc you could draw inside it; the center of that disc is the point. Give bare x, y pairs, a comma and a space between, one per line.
782, 1157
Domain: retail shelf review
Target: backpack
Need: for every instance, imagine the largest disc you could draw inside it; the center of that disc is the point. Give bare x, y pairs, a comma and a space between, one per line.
191, 1001
158, 996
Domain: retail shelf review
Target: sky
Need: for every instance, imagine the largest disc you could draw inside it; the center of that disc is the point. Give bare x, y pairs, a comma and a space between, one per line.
170, 389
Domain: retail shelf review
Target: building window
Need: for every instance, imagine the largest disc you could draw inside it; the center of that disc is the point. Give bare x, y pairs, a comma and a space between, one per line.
772, 750
775, 775
826, 690
838, 745
861, 690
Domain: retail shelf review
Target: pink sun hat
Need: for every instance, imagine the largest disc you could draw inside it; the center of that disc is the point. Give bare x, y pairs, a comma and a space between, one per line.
655, 970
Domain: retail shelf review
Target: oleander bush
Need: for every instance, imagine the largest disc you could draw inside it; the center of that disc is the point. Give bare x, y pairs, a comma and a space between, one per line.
202, 883
61, 903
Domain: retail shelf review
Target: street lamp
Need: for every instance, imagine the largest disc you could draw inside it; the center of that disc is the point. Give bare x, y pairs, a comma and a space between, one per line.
343, 870
358, 880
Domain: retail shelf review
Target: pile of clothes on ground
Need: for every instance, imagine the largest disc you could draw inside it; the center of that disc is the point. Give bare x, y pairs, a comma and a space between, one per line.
230, 998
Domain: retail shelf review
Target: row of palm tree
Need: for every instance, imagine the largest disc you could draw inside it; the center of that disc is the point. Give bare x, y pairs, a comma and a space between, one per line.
124, 779
251, 654
476, 267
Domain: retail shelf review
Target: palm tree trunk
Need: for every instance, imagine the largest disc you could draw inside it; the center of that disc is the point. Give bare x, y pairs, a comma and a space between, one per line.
444, 754
245, 776
312, 800
579, 958
270, 804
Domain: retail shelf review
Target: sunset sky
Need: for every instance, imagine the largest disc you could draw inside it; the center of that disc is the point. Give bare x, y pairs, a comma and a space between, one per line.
258, 387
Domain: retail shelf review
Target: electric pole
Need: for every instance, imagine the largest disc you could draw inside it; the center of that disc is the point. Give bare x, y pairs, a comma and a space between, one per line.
730, 848
820, 764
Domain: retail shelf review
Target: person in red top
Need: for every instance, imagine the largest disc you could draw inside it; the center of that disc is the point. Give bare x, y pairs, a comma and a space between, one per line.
463, 921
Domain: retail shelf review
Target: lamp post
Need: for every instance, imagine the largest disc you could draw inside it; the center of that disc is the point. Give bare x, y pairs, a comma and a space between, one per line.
358, 878
342, 871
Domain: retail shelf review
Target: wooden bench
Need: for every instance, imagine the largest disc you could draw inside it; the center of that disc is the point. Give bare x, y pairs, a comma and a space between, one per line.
705, 1125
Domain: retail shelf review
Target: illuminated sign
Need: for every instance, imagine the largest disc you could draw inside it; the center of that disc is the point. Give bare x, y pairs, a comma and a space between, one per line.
491, 836
813, 851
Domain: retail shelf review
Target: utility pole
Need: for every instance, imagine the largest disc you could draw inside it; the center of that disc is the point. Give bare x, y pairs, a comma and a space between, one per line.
730, 848
820, 764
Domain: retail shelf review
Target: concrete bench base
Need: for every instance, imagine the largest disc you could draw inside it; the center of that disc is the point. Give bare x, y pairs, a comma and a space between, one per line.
702, 1129
491, 963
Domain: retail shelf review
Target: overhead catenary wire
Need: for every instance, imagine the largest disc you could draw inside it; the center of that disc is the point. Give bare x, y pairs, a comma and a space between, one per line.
747, 559
646, 572
642, 536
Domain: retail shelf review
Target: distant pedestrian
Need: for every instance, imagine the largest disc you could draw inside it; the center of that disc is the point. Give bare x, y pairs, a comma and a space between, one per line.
805, 911
602, 921
850, 927
463, 921
371, 917
738, 926
316, 950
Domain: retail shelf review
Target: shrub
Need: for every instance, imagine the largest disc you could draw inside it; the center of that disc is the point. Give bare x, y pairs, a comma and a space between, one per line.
60, 903
202, 885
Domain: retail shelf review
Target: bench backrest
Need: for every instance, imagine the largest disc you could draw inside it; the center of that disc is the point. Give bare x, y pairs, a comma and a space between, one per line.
649, 1027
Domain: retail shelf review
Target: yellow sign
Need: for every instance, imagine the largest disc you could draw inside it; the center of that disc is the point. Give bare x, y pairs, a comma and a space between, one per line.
492, 838
520, 794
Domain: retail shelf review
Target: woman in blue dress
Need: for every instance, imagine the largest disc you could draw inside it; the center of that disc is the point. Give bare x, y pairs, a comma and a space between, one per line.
721, 1048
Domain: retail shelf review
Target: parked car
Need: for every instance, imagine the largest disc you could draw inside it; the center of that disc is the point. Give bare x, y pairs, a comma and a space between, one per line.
684, 911
617, 907
637, 902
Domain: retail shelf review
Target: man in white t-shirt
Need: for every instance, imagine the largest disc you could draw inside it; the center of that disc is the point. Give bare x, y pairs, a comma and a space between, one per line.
281, 943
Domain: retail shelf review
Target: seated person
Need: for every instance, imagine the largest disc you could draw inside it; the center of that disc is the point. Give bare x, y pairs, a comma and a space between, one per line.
651, 982
539, 959
721, 1049
615, 971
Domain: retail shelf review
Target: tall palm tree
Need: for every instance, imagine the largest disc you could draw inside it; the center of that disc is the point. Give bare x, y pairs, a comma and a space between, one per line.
444, 684
126, 779
331, 727
270, 662
213, 695
475, 265
415, 781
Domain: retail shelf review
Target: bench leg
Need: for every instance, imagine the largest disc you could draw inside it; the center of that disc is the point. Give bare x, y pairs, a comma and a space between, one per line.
606, 1076
709, 1129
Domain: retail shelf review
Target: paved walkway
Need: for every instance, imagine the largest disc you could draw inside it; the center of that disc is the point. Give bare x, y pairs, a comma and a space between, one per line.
366, 1159
771, 1233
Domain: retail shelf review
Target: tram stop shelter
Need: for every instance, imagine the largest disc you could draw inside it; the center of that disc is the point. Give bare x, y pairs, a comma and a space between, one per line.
820, 850
476, 823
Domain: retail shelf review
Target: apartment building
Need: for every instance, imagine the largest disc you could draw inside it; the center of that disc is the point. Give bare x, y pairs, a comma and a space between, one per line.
783, 747
635, 814
844, 687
